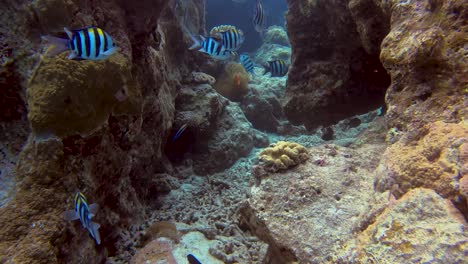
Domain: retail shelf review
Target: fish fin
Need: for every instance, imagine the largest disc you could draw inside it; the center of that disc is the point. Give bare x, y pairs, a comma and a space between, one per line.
72, 56
196, 43
58, 45
69, 33
110, 51
94, 230
70, 215
192, 259
93, 208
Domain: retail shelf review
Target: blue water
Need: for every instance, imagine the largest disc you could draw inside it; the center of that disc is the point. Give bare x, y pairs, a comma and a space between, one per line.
227, 12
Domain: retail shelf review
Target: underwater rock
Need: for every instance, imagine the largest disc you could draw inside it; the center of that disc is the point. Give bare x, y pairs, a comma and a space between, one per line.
294, 209
156, 251
276, 35
425, 54
372, 23
331, 74
68, 97
420, 227
232, 139
432, 159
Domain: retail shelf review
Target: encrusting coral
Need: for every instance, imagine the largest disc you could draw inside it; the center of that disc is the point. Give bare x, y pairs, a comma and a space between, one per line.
283, 155
233, 82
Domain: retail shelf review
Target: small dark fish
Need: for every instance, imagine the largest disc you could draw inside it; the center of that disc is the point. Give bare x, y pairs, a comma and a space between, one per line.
247, 63
84, 213
91, 43
278, 68
179, 132
232, 39
192, 259
259, 19
212, 47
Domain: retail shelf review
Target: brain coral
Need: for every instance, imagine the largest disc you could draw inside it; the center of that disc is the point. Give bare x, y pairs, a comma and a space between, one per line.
283, 155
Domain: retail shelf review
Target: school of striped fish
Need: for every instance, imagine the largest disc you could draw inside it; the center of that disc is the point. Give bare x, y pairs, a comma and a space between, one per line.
93, 43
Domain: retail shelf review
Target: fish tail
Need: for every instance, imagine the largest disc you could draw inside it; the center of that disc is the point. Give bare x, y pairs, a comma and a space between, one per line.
58, 45
196, 43
94, 230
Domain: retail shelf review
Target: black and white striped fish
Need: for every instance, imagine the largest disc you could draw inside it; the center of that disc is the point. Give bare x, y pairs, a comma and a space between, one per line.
232, 39
212, 47
91, 43
278, 68
247, 63
259, 19
84, 213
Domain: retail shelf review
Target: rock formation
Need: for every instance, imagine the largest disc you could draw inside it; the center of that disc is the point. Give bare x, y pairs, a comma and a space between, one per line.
332, 77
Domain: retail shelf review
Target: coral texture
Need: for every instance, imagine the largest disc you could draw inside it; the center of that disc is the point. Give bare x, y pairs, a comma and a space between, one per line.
431, 156
283, 155
327, 202
331, 74
421, 227
233, 82
68, 97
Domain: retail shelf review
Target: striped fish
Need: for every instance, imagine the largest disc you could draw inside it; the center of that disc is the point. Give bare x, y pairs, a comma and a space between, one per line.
91, 43
179, 132
212, 47
259, 19
84, 212
278, 68
232, 39
247, 63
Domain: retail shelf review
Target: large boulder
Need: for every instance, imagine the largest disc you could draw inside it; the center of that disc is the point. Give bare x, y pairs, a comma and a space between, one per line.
332, 77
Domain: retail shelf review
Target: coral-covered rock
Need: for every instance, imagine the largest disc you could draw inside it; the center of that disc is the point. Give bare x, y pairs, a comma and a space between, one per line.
231, 139
283, 155
68, 97
326, 202
157, 251
233, 83
420, 227
331, 74
276, 35
425, 54
371, 21
269, 52
429, 157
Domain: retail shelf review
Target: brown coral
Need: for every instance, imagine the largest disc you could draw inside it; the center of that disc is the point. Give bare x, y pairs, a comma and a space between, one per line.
430, 161
283, 155
233, 82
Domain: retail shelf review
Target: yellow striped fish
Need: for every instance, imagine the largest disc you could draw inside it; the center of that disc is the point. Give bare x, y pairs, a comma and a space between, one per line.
84, 213
91, 43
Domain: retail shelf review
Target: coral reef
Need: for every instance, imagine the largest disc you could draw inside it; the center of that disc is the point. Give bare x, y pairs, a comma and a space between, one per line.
268, 52
276, 35
233, 83
157, 251
283, 155
293, 210
68, 97
424, 54
420, 227
432, 159
201, 77
331, 74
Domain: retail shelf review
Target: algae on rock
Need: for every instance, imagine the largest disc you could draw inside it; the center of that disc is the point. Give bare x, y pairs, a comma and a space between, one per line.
68, 97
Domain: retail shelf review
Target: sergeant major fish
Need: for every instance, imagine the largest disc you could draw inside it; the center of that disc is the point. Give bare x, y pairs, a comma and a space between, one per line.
211, 47
247, 63
278, 68
84, 212
91, 43
232, 39
259, 19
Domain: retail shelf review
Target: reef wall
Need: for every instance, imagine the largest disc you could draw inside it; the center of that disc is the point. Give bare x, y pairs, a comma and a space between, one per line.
334, 73
97, 127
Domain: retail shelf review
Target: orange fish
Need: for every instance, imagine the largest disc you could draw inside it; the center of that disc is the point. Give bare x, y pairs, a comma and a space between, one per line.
237, 79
